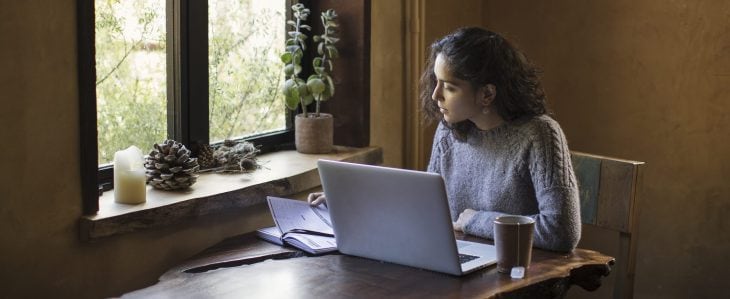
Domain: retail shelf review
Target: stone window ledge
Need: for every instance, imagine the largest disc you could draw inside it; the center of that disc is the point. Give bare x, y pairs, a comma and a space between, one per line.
284, 173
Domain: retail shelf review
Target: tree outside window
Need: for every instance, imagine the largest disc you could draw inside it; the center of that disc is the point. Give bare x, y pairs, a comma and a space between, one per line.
244, 37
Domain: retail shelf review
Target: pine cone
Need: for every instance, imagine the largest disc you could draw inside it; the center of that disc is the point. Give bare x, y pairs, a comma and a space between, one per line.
170, 167
205, 157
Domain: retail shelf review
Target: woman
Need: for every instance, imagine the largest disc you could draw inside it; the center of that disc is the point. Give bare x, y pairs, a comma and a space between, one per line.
495, 146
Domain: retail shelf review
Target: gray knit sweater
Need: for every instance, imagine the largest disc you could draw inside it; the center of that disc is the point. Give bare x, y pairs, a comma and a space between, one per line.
521, 167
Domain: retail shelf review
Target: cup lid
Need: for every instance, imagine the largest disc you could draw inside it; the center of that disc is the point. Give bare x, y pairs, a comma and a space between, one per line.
514, 219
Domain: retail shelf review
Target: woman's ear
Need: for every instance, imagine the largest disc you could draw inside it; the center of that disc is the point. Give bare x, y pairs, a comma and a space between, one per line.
488, 93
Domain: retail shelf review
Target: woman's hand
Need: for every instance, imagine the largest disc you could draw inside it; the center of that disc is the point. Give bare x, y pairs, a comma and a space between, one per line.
316, 198
464, 218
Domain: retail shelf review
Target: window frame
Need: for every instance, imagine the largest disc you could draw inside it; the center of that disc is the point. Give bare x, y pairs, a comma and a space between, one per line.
188, 90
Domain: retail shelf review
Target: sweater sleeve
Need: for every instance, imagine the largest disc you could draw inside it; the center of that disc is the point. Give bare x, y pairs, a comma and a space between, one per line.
557, 224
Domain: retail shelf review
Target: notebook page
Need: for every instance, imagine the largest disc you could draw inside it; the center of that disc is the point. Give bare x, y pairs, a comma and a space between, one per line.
293, 215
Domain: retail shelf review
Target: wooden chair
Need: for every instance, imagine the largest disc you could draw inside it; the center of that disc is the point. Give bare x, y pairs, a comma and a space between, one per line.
609, 200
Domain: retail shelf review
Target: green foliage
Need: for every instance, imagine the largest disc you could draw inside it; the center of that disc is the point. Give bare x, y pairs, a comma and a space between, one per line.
295, 89
244, 68
320, 83
319, 86
131, 71
130, 67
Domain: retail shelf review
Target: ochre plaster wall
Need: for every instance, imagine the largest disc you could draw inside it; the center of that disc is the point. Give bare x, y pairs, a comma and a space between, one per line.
650, 81
387, 67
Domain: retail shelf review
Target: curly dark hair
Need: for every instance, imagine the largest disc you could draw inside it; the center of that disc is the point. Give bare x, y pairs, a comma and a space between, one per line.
482, 57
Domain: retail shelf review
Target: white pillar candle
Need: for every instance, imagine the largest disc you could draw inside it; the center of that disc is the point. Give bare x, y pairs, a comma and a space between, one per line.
129, 179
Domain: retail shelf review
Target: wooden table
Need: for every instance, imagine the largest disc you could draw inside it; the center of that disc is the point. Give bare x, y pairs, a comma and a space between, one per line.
244, 266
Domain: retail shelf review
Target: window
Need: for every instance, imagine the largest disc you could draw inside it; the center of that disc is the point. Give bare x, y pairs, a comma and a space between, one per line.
244, 38
244, 45
131, 95
199, 72
141, 49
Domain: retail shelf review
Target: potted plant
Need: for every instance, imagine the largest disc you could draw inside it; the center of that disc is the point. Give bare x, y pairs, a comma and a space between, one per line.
313, 131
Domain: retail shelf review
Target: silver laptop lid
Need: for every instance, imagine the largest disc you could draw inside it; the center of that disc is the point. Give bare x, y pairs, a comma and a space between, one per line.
389, 214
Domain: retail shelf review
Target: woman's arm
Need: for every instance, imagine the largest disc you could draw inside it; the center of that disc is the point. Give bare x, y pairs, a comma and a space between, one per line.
557, 226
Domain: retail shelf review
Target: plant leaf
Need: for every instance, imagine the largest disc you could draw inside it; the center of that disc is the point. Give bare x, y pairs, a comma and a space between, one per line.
332, 52
307, 99
302, 88
294, 92
292, 48
286, 57
330, 87
291, 95
289, 70
291, 102
288, 85
316, 85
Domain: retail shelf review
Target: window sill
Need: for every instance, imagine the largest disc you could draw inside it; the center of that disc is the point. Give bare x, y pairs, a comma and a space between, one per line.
285, 173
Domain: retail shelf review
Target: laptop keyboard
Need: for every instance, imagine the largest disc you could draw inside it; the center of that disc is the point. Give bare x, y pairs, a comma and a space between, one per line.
463, 258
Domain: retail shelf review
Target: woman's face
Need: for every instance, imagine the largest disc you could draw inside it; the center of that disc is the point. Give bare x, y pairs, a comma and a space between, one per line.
456, 98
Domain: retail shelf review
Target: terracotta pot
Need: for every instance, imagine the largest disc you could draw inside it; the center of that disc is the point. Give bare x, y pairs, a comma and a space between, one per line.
313, 135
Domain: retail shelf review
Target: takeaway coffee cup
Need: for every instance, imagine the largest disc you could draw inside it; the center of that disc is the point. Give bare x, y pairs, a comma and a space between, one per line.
513, 240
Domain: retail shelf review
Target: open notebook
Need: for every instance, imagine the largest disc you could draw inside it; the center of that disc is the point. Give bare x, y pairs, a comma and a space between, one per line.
300, 225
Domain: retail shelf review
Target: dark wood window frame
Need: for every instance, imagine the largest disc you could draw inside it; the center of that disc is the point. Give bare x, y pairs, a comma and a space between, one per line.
187, 63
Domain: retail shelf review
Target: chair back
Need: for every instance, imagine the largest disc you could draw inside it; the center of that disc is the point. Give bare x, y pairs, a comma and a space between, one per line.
609, 190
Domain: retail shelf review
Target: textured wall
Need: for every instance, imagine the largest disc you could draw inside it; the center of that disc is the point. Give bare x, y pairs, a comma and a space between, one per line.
387, 67
650, 81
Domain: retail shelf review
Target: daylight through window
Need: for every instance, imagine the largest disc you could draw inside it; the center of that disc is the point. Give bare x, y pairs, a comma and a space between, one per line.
130, 75
244, 71
244, 41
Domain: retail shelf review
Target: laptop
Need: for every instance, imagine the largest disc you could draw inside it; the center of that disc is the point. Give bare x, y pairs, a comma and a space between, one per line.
398, 216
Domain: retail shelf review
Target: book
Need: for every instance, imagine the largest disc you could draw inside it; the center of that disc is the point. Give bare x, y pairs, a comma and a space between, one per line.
299, 225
